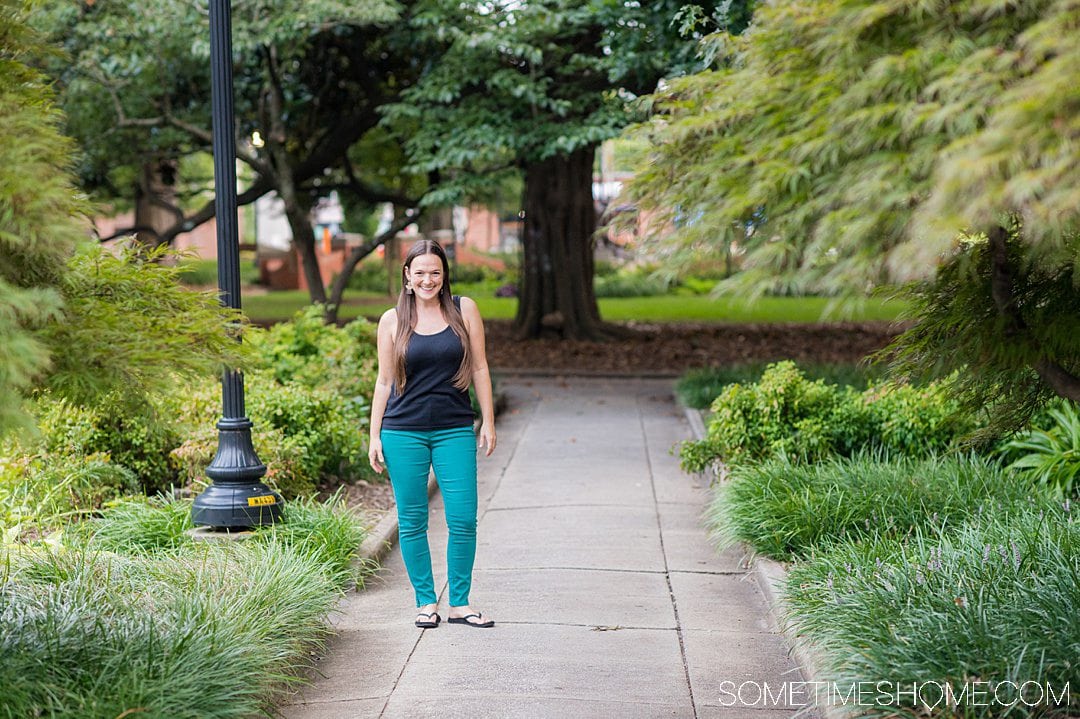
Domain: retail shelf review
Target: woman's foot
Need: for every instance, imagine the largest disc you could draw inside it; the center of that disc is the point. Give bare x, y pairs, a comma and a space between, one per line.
467, 615
427, 617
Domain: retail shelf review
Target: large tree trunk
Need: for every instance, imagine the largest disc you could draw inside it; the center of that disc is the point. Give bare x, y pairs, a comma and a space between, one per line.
557, 296
155, 202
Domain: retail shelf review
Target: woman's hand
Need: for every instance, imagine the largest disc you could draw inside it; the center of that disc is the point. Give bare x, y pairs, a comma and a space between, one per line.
375, 455
487, 438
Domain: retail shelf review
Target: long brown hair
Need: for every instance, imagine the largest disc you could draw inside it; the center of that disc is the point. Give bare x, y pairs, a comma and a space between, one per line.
406, 317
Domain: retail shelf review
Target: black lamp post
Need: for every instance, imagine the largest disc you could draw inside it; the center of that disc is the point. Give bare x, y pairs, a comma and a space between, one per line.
236, 498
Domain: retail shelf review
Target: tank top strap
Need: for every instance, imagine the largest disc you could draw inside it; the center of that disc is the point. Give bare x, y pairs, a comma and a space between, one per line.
457, 301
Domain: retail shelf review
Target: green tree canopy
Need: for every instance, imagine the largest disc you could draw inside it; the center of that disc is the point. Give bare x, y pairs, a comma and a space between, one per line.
850, 143
535, 87
858, 138
308, 77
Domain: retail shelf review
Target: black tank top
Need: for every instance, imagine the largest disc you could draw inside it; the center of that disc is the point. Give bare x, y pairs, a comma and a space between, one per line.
430, 400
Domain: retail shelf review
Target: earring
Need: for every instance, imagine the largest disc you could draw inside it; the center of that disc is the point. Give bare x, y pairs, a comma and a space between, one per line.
408, 289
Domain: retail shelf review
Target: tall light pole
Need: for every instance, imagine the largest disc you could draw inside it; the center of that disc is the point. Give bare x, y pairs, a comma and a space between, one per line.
236, 498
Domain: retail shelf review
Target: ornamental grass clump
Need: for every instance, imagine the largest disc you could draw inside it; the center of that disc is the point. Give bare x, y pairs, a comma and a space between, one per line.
328, 532
789, 510
130, 616
994, 601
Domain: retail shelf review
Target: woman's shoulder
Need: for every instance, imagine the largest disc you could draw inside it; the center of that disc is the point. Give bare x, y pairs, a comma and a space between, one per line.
465, 303
389, 318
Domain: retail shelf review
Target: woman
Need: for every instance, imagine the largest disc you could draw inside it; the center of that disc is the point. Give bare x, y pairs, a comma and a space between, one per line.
431, 346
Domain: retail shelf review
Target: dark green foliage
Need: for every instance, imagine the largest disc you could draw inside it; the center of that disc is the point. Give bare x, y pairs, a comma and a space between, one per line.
789, 510
136, 438
370, 277
1048, 453
637, 282
992, 601
698, 388
308, 395
786, 413
961, 330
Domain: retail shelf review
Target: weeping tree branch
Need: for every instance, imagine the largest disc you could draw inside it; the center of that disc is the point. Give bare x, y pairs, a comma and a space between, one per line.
1063, 382
354, 258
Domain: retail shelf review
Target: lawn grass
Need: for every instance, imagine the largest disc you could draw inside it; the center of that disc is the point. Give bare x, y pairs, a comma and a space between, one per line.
280, 305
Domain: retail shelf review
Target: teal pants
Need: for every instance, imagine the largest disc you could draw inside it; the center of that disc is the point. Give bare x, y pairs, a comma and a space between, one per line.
452, 453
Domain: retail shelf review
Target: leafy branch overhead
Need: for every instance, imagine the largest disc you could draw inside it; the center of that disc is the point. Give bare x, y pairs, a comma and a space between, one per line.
848, 143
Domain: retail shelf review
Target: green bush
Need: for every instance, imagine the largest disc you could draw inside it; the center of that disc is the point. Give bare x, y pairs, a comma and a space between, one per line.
698, 388
789, 510
370, 276
308, 399
786, 413
134, 437
638, 282
38, 493
994, 601
1048, 454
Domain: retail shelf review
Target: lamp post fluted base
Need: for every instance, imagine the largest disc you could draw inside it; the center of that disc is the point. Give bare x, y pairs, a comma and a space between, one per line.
236, 498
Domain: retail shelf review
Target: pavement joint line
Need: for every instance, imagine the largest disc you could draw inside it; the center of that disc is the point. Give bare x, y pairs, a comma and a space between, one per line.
663, 553
770, 575
584, 569
564, 506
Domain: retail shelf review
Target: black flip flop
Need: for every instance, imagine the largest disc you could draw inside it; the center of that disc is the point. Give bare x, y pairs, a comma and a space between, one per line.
428, 624
465, 620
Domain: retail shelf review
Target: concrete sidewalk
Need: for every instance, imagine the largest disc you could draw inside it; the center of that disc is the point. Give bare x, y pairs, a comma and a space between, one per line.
592, 560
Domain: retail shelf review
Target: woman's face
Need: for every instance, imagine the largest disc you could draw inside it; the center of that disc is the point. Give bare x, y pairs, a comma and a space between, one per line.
425, 275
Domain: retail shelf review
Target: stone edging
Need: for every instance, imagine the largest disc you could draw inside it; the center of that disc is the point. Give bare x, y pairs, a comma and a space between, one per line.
770, 576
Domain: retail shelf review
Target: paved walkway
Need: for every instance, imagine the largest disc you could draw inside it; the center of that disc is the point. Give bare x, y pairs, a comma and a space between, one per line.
591, 557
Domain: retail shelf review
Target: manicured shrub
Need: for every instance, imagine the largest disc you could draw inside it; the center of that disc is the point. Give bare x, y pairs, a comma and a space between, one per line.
993, 601
638, 282
787, 413
698, 388
788, 510
370, 276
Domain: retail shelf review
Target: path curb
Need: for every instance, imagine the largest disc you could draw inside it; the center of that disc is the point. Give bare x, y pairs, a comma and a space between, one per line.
770, 576
382, 537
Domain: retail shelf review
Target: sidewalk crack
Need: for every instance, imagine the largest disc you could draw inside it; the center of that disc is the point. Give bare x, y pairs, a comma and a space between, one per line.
663, 553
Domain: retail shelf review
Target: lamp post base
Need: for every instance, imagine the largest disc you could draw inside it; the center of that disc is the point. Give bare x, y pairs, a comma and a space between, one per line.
236, 505
236, 498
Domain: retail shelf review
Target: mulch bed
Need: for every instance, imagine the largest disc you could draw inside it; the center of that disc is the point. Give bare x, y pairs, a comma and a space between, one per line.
671, 349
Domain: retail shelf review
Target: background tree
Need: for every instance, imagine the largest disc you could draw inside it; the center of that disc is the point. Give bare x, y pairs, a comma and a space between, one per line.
535, 88
309, 77
849, 144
